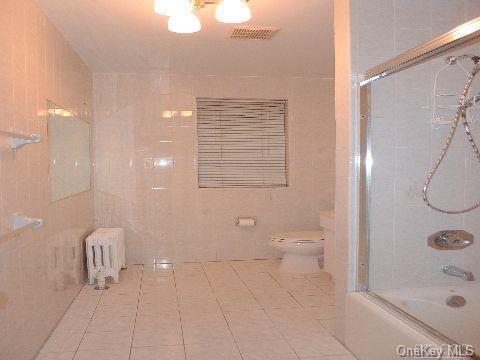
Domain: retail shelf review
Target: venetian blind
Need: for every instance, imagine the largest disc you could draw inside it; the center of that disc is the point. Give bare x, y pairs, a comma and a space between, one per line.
241, 143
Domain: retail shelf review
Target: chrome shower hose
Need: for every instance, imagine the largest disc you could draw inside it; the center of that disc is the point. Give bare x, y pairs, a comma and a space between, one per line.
464, 104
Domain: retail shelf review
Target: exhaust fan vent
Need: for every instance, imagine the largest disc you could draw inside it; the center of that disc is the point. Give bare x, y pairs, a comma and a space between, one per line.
251, 33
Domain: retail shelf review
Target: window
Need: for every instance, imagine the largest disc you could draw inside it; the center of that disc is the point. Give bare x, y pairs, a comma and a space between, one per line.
241, 143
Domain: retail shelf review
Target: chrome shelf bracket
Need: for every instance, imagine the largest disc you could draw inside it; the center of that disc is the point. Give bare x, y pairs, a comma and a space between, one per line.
20, 221
19, 139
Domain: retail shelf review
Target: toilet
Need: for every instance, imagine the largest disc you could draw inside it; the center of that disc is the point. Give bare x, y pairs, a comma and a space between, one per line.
303, 250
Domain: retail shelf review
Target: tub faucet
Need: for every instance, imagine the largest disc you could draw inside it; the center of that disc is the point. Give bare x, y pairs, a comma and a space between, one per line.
452, 270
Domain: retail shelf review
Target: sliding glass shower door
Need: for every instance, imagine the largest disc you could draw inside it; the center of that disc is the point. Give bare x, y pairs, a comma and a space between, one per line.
421, 185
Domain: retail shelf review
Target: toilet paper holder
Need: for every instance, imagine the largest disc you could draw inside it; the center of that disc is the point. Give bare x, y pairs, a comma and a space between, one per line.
245, 222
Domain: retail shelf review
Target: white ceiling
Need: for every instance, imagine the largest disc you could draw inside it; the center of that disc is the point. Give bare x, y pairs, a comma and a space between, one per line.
127, 36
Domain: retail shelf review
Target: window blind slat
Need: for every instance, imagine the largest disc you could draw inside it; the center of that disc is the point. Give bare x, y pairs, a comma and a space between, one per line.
241, 143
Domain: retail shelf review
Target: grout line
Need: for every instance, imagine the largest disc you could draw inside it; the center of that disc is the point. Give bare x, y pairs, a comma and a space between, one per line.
263, 309
204, 270
179, 313
90, 321
136, 313
223, 313
59, 321
288, 292
304, 307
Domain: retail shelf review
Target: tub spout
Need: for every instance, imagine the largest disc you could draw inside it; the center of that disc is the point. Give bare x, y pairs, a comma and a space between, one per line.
452, 270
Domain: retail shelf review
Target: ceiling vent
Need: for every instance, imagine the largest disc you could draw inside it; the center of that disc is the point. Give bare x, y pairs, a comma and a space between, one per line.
253, 33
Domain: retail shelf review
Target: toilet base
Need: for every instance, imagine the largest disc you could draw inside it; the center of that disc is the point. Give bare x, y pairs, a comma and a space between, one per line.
294, 263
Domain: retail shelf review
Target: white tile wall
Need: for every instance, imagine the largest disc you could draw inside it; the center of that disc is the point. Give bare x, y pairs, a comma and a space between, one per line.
41, 271
165, 215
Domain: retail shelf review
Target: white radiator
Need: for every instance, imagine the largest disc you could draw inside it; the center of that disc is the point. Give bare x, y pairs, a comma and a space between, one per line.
105, 247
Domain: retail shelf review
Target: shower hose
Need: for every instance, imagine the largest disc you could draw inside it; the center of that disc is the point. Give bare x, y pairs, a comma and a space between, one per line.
464, 104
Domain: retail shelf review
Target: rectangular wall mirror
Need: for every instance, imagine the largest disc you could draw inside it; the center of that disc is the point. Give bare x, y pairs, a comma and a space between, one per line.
69, 151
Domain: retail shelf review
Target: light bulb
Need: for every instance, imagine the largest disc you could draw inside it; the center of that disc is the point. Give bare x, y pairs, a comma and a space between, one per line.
233, 12
184, 23
172, 7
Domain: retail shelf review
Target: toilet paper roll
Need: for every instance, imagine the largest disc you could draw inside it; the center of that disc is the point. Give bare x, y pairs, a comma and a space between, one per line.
245, 222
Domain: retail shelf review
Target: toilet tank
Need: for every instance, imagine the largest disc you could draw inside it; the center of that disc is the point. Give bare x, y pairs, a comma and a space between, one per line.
327, 222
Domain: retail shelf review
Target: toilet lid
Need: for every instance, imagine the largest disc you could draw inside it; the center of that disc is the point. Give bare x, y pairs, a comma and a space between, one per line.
312, 236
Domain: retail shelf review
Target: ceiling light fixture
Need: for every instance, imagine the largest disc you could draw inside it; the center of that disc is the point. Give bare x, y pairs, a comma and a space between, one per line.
163, 7
185, 23
233, 12
184, 20
172, 7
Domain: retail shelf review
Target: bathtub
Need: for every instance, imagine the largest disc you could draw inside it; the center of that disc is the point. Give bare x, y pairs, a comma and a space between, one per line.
429, 306
375, 331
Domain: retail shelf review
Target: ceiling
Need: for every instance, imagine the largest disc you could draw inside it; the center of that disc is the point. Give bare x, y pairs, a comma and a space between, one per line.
127, 36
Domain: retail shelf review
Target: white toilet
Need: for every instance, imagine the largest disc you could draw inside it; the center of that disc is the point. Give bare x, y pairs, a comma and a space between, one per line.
303, 250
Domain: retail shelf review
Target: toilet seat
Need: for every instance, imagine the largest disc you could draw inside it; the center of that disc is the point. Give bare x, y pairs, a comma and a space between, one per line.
299, 237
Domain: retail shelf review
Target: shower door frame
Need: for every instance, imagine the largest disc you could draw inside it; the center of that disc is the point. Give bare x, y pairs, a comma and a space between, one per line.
459, 36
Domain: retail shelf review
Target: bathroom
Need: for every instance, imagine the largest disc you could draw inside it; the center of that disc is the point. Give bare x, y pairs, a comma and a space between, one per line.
263, 177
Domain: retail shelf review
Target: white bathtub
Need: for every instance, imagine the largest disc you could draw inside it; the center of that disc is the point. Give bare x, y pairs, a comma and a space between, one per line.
374, 332
429, 306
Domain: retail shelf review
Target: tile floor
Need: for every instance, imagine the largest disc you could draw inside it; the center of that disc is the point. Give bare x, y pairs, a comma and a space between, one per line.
197, 311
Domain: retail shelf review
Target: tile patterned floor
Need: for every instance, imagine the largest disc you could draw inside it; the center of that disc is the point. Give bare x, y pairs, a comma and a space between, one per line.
197, 311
